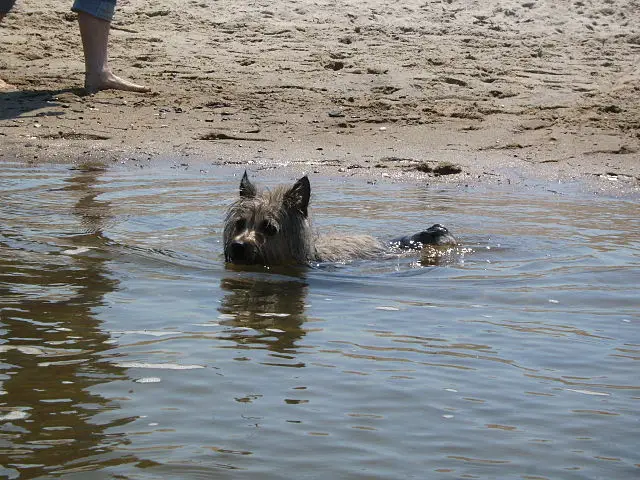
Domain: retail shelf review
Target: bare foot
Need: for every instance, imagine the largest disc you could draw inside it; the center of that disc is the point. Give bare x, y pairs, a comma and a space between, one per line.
6, 87
107, 81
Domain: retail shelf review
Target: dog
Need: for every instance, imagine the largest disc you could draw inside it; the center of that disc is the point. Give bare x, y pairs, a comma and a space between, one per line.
272, 227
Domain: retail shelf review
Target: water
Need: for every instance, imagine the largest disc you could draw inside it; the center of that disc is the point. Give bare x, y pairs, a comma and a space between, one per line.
128, 350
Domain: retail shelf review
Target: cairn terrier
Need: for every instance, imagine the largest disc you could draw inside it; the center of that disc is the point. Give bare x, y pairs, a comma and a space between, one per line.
272, 227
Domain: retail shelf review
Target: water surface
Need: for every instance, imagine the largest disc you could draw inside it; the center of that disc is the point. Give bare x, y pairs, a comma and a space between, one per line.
128, 350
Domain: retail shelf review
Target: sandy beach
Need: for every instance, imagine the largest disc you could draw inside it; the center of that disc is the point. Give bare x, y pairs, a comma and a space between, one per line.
453, 91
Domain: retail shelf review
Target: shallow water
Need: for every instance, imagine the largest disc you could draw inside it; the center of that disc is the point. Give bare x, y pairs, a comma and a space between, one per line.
128, 350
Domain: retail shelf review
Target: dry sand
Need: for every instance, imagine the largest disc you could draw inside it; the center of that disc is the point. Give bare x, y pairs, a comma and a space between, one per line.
507, 90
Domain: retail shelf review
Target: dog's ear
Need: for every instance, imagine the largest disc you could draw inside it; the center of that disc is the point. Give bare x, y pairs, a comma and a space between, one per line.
247, 189
297, 197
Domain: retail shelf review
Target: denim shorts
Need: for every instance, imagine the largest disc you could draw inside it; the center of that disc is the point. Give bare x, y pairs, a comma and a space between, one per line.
98, 8
6, 5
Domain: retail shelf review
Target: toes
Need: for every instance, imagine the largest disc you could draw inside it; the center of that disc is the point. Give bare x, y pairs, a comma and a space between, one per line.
129, 86
6, 87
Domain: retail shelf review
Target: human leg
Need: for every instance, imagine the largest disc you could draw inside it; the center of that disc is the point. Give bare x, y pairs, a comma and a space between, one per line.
94, 20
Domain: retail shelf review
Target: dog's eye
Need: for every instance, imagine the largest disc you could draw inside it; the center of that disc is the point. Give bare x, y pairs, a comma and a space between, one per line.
269, 228
241, 224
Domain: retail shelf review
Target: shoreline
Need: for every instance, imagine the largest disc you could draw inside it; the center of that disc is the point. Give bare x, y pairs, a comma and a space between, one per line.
504, 91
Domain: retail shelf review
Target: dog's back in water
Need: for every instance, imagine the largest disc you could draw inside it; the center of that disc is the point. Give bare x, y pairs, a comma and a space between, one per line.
272, 227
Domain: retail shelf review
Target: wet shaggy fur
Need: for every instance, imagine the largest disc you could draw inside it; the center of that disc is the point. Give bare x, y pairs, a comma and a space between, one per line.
272, 227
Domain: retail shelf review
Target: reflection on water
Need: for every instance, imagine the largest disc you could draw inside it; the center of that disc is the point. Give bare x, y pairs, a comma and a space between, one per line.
273, 308
51, 339
129, 350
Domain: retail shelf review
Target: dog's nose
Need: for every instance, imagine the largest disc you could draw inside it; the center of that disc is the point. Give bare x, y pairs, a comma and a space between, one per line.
238, 250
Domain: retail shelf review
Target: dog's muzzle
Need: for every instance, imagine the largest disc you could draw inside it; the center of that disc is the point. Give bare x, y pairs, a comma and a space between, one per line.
241, 252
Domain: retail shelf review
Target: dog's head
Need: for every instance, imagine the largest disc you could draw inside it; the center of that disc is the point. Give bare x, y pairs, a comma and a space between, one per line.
268, 227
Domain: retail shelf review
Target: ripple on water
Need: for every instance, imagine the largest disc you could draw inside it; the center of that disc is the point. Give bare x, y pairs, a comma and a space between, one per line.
513, 356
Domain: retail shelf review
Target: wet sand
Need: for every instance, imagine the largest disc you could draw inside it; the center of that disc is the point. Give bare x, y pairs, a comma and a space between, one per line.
455, 91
